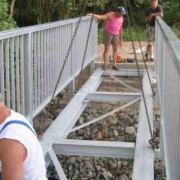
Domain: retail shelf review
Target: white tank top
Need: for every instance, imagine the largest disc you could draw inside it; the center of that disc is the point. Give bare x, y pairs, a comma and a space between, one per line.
34, 164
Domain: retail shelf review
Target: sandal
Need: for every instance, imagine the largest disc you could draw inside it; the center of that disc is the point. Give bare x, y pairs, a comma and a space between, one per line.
103, 67
115, 68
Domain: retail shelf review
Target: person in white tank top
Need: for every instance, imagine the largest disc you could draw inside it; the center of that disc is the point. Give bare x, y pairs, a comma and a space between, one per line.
21, 154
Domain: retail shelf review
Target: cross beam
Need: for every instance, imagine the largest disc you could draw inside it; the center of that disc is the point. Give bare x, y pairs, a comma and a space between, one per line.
94, 148
54, 140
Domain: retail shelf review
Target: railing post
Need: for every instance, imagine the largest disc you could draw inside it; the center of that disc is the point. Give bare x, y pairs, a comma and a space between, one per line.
72, 83
1, 69
28, 79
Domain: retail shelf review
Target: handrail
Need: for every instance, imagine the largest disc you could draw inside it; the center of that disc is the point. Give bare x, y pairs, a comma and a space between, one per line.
167, 57
31, 59
35, 28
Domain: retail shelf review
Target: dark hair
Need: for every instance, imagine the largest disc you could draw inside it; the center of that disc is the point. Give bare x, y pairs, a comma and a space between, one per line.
121, 10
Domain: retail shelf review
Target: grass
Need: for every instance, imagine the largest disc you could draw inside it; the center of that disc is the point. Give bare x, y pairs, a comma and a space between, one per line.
138, 31
176, 30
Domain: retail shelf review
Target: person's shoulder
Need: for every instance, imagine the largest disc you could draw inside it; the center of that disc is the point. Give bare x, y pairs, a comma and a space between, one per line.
110, 14
17, 116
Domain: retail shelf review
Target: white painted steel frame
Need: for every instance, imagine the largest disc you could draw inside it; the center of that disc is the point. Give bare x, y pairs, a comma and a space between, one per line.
33, 58
168, 78
57, 133
112, 96
123, 72
94, 148
101, 117
143, 167
66, 120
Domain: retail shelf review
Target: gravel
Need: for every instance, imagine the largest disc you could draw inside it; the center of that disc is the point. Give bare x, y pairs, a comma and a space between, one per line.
121, 127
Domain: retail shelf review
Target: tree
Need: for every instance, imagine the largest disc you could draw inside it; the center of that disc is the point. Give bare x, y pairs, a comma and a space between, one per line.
11, 8
6, 22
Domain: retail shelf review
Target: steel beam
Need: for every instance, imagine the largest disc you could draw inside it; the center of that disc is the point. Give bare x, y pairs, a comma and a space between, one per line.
99, 118
68, 117
144, 155
94, 148
57, 165
123, 72
112, 96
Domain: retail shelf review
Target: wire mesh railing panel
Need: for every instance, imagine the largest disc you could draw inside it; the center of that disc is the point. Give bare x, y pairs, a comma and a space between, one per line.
168, 75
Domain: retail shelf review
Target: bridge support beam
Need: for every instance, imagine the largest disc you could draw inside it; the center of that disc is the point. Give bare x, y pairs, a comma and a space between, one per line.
55, 137
94, 148
144, 155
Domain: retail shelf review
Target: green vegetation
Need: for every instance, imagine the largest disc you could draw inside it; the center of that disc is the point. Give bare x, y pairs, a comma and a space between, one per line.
138, 32
32, 12
6, 22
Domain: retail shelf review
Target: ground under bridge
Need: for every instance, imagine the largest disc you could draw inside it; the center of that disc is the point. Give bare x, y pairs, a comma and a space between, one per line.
31, 60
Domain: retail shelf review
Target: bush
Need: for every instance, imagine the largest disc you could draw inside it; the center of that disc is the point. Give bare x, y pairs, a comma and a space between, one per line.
137, 31
5, 21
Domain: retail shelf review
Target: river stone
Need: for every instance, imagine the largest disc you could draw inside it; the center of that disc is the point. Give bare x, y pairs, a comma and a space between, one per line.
130, 130
124, 177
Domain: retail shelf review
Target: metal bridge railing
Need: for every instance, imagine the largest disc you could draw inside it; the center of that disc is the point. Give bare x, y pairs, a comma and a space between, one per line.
168, 76
31, 59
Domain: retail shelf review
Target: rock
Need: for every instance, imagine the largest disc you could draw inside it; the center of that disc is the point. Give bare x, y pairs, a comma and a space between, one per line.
104, 176
119, 164
159, 169
130, 130
72, 135
99, 136
107, 107
112, 120
88, 165
136, 117
113, 164
72, 160
131, 114
92, 111
98, 168
116, 133
70, 168
80, 132
90, 174
75, 176
105, 132
124, 177
81, 120
156, 125
58, 111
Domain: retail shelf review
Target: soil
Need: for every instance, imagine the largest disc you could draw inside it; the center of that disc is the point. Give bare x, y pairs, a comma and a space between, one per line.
126, 51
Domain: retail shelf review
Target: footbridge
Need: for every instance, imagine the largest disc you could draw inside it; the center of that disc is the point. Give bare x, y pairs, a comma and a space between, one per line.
33, 59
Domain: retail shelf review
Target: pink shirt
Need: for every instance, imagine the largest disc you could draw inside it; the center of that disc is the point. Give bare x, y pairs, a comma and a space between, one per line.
113, 25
